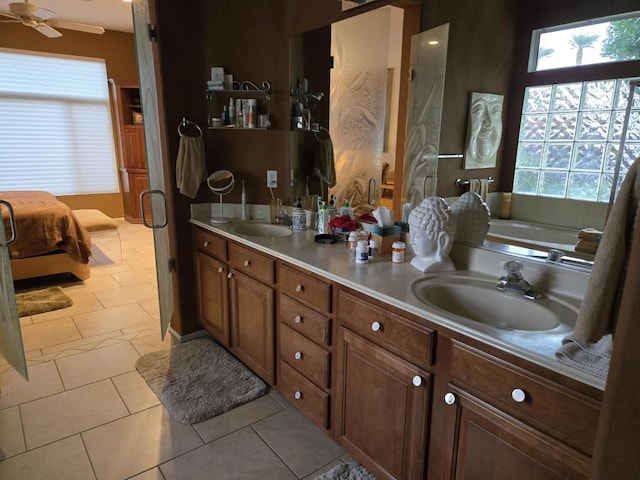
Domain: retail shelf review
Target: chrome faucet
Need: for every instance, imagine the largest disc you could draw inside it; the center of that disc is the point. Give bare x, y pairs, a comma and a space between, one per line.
514, 282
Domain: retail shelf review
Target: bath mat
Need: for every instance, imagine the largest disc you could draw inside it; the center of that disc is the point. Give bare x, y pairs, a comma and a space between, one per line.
347, 471
199, 379
41, 301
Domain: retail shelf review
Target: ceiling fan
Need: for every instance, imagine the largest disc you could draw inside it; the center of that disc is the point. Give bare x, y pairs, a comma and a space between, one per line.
41, 19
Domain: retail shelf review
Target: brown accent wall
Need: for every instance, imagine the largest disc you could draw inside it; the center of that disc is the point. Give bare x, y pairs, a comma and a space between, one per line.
117, 48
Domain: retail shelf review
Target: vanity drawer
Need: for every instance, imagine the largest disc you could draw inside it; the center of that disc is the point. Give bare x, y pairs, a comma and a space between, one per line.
251, 263
304, 320
552, 408
407, 339
210, 243
305, 288
304, 395
305, 356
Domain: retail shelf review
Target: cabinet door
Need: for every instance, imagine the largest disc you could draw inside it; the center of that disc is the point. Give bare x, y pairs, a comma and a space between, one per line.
489, 444
138, 183
134, 149
382, 405
252, 324
213, 297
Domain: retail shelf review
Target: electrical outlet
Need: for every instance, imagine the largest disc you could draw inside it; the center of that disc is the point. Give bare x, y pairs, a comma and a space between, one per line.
272, 178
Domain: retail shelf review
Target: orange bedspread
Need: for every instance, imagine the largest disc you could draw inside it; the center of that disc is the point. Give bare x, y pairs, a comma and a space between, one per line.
44, 225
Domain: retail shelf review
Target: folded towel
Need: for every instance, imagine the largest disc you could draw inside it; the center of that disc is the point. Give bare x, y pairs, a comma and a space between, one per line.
591, 358
590, 234
324, 163
191, 169
479, 186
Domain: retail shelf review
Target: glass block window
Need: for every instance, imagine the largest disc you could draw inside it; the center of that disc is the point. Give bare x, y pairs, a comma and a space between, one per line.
570, 136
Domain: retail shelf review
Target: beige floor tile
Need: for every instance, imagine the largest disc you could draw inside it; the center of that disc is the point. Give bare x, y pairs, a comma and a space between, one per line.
137, 443
299, 443
135, 392
152, 307
11, 438
153, 343
136, 277
88, 367
93, 284
111, 319
88, 343
44, 380
237, 418
82, 303
65, 459
67, 413
241, 455
141, 263
321, 470
46, 334
123, 296
153, 474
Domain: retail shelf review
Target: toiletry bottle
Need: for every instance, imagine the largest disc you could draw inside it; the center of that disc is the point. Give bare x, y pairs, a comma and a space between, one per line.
345, 209
323, 222
505, 206
225, 116
374, 249
232, 112
238, 113
244, 203
362, 252
353, 244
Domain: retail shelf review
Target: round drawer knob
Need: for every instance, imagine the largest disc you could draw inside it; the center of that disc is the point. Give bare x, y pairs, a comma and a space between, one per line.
246, 263
298, 355
297, 395
417, 381
450, 398
299, 288
206, 244
220, 269
298, 319
518, 395
376, 326
230, 274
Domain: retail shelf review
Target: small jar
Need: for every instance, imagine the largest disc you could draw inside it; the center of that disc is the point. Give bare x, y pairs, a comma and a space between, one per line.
374, 249
362, 252
397, 252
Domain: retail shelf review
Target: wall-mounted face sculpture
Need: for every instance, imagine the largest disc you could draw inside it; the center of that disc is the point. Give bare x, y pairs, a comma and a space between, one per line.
484, 130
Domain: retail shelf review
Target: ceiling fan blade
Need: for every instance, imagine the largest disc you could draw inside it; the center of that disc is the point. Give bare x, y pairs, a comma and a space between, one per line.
43, 13
80, 27
46, 30
10, 15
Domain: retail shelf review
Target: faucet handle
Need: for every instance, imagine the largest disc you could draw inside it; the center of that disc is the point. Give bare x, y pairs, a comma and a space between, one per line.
513, 269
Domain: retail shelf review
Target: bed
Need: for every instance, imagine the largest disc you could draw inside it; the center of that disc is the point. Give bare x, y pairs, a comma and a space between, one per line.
49, 238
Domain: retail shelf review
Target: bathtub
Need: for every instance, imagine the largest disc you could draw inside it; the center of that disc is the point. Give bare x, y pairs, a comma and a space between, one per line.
535, 236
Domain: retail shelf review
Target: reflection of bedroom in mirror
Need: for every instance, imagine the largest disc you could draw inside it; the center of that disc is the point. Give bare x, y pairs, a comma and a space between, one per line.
363, 111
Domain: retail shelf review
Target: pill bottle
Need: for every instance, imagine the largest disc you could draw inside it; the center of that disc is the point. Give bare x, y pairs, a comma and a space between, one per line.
352, 244
374, 249
362, 252
397, 252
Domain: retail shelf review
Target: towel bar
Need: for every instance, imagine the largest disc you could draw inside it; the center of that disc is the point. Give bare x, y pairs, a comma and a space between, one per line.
460, 182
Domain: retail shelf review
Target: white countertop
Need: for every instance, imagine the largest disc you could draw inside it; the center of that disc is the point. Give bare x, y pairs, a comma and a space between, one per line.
391, 283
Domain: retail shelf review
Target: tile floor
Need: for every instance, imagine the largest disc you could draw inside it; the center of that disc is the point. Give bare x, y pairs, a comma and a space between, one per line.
87, 414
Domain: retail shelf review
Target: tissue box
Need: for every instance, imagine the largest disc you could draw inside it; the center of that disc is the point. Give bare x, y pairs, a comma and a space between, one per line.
385, 236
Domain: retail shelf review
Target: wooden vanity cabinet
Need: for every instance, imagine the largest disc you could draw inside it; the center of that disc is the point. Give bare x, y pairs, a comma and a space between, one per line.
252, 310
304, 343
502, 422
211, 284
382, 399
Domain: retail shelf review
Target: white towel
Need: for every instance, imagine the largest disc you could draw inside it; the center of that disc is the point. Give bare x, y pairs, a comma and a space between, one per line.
191, 169
591, 358
479, 186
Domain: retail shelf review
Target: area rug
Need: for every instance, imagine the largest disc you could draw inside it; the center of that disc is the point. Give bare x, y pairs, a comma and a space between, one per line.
347, 471
41, 301
199, 379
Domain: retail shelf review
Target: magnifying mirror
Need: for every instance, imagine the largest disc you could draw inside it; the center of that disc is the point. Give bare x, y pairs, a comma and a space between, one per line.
221, 182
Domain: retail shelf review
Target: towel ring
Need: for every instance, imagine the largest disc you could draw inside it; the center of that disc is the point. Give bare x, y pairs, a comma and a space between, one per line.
186, 123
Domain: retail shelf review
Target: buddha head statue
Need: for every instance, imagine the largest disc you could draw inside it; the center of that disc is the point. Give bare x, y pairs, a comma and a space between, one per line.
432, 226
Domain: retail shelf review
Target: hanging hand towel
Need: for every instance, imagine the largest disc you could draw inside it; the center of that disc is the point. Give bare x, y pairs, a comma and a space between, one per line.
599, 308
191, 169
324, 164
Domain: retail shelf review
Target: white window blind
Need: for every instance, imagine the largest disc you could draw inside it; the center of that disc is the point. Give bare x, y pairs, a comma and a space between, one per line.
55, 124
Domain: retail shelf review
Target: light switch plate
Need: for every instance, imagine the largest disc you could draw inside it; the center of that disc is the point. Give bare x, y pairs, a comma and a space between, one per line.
272, 178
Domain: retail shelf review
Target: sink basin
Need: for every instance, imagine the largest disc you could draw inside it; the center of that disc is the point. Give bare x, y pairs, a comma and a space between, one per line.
255, 229
477, 299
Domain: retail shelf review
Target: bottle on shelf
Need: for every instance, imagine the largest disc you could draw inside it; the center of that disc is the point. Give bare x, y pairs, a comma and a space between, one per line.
232, 112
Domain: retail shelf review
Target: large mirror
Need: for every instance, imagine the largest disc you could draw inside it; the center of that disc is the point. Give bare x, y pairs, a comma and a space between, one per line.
560, 166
